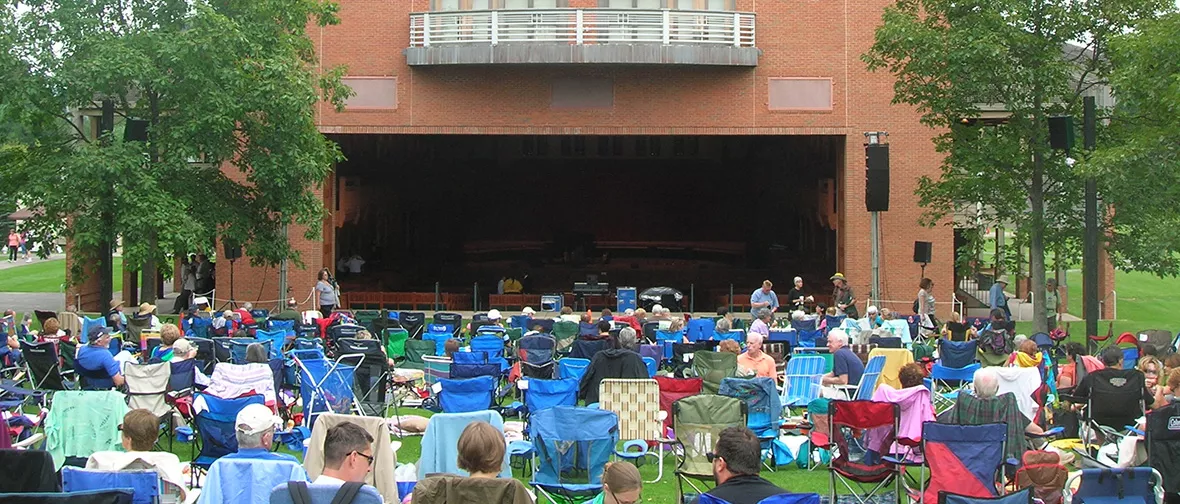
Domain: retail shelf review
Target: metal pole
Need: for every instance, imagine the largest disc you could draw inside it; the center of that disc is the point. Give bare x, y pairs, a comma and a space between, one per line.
874, 229
730, 307
475, 297
436, 295
1090, 294
692, 297
283, 295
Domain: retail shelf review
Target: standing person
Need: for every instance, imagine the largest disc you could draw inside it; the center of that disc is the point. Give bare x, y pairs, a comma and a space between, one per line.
843, 297
927, 322
325, 292
188, 283
764, 297
1052, 303
797, 295
24, 246
13, 243
621, 484
997, 300
737, 460
204, 275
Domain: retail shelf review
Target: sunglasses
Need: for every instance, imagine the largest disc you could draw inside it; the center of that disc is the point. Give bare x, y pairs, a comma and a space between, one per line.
367, 457
711, 456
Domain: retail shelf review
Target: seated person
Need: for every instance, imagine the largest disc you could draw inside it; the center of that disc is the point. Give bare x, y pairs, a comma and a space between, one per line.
366, 335
140, 430
291, 312
244, 315
51, 331
1075, 355
348, 455
184, 350
622, 362
985, 405
755, 362
1121, 391
481, 450
256, 354
957, 330
169, 334
846, 366
1026, 355
737, 460
621, 484
95, 362
251, 472
730, 346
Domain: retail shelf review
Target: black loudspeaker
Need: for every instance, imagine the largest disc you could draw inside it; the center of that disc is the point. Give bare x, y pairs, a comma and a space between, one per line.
1061, 132
135, 131
922, 252
877, 178
232, 251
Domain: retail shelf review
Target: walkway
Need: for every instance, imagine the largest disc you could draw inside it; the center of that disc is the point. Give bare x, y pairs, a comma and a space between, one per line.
22, 302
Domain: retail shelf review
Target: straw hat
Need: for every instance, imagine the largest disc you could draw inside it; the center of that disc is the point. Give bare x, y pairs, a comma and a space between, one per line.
146, 309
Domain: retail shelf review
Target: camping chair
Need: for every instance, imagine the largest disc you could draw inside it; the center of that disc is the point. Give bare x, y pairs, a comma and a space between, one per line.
277, 339
81, 439
964, 459
1110, 410
1163, 445
491, 345
712, 367
473, 364
415, 353
700, 329
147, 388
334, 333
1123, 486
145, 484
565, 333
572, 448
323, 492
585, 349
440, 452
763, 410
395, 340
637, 403
247, 479
454, 320
439, 339
1020, 497
370, 371
863, 391
326, 386
39, 474
536, 352
674, 389
544, 394
43, 315
846, 420
182, 383
381, 473
570, 367
412, 322
466, 395
239, 346
206, 356
954, 368
698, 421
802, 380
215, 423
786, 498
42, 366
435, 368
222, 349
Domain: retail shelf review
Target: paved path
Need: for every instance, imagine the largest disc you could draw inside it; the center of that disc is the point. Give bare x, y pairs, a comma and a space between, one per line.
28, 301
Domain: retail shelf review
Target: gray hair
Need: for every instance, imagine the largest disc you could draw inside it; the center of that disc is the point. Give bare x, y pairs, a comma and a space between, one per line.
762, 313
753, 337
838, 335
255, 352
627, 338
798, 315
987, 383
247, 306
723, 325
252, 440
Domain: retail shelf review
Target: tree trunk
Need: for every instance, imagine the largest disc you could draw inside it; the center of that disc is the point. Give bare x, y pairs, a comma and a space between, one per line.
147, 285
1036, 200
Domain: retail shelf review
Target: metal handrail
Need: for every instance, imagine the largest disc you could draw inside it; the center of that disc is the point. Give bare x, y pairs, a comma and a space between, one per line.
583, 26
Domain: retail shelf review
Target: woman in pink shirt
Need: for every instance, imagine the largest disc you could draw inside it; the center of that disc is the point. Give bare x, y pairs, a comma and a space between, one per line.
13, 244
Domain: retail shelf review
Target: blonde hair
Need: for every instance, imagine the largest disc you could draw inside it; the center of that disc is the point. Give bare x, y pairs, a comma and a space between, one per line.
730, 346
621, 477
676, 325
481, 448
169, 333
364, 334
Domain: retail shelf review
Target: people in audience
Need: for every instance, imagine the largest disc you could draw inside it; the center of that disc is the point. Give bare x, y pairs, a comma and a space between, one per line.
148, 311
95, 360
567, 314
1026, 355
140, 430
722, 326
169, 335
843, 296
987, 385
737, 461
911, 375
1075, 353
184, 350
755, 361
797, 295
224, 321
348, 455
51, 331
723, 313
528, 311
481, 450
495, 318
731, 346
956, 329
676, 325
846, 366
291, 312
873, 317
622, 362
243, 314
115, 315
761, 324
451, 346
763, 297
606, 315
640, 316
621, 484
603, 327
256, 354
1152, 369
255, 428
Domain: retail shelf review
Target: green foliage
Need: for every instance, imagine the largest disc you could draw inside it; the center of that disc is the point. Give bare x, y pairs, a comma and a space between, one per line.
226, 82
1139, 160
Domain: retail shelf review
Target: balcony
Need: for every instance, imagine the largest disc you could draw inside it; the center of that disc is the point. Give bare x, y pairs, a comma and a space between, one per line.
595, 36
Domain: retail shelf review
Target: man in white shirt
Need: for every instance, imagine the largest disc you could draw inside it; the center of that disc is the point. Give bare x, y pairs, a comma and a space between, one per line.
354, 264
348, 455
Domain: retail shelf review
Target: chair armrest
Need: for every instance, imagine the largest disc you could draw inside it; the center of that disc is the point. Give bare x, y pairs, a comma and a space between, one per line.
913, 443
902, 462
29, 441
1054, 431
1135, 431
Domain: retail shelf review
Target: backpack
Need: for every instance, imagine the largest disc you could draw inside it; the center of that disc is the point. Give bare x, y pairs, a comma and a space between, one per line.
346, 494
994, 342
915, 305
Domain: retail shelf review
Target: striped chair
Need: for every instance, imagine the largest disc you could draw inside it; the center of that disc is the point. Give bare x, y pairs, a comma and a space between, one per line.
637, 403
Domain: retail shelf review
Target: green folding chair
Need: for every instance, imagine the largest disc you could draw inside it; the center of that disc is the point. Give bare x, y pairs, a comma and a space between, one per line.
395, 342
712, 367
565, 332
415, 350
698, 421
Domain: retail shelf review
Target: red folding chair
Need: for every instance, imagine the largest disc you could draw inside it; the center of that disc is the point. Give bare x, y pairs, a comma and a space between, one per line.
672, 389
849, 424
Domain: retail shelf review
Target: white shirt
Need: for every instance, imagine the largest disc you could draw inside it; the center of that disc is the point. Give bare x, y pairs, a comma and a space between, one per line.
354, 264
324, 479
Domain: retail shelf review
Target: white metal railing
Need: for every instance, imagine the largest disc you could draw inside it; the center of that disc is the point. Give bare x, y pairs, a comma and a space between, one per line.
583, 26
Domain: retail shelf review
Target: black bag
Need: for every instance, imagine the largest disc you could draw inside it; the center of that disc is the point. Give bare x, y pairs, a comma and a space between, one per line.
915, 306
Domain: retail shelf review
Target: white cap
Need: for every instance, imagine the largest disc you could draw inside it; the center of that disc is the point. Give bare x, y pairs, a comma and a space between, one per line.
872, 309
201, 300
494, 314
256, 418
798, 279
526, 311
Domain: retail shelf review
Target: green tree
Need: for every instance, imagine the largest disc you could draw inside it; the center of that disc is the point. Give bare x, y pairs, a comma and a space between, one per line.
1138, 166
956, 59
231, 82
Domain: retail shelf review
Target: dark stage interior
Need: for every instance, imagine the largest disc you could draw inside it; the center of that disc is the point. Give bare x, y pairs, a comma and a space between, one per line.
678, 211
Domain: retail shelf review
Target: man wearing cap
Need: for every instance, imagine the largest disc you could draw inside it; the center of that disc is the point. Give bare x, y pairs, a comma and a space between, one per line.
764, 298
95, 362
255, 430
843, 297
288, 313
997, 300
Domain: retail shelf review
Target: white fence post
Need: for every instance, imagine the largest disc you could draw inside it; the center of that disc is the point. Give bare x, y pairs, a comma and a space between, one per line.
579, 28
495, 28
737, 30
426, 29
667, 27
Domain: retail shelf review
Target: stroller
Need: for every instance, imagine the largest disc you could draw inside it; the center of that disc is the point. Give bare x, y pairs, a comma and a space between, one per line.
572, 448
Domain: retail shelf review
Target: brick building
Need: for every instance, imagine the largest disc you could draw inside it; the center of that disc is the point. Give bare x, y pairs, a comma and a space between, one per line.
758, 107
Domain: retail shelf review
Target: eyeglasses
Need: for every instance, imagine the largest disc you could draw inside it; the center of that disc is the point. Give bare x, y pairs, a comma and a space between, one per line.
617, 500
711, 456
120, 427
367, 457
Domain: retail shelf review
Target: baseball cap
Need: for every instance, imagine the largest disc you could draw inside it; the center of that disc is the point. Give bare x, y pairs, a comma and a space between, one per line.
256, 418
494, 314
97, 332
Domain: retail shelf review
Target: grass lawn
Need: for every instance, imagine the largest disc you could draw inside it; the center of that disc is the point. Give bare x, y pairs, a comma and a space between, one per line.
47, 276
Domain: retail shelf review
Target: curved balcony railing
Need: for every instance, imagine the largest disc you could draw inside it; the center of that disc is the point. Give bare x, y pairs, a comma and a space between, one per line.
583, 27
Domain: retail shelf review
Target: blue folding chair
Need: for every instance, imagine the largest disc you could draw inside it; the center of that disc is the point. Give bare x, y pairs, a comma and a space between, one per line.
440, 453
238, 347
325, 386
88, 323
544, 394
586, 329
1019, 497
802, 377
216, 426
807, 338
144, 484
832, 322
763, 406
287, 326
276, 338
492, 346
1133, 485
473, 364
1130, 357
466, 395
700, 329
863, 391
439, 339
586, 349
573, 446
954, 368
572, 368
520, 321
651, 366
667, 339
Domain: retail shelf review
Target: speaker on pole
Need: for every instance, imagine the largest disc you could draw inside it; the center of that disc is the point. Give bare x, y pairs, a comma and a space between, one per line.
136, 130
232, 251
1061, 135
877, 177
922, 252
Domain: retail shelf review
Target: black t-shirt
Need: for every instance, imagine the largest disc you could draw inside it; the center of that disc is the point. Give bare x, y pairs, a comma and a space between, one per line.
794, 294
744, 490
